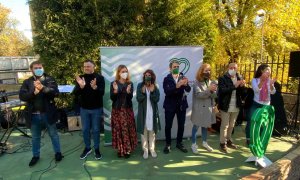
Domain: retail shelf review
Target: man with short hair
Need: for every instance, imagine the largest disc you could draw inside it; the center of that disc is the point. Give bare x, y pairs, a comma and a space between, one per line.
175, 87
89, 90
230, 90
38, 92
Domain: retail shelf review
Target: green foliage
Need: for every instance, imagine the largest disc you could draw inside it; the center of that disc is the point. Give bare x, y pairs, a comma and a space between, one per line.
69, 31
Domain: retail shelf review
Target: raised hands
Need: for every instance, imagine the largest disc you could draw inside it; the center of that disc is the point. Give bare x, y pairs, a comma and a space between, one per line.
240, 83
80, 81
128, 89
94, 84
38, 86
115, 87
182, 82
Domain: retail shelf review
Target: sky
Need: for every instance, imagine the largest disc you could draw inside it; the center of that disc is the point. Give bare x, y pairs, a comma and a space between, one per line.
20, 12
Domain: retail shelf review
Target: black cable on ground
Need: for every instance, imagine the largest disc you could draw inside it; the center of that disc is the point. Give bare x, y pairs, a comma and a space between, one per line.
86, 170
65, 154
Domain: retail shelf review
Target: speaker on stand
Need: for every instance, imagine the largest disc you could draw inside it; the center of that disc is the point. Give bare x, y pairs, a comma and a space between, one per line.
294, 71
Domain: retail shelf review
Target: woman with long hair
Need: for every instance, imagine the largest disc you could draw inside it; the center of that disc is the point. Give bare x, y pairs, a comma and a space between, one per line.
203, 108
148, 122
124, 137
263, 87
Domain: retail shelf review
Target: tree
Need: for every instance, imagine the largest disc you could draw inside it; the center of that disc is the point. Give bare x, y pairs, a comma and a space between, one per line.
12, 41
240, 28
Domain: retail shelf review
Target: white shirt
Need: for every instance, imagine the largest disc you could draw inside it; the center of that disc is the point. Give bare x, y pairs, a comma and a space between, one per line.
149, 112
255, 82
232, 103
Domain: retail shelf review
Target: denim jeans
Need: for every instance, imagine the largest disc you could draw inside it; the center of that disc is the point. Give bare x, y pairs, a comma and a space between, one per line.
252, 109
203, 134
38, 121
90, 120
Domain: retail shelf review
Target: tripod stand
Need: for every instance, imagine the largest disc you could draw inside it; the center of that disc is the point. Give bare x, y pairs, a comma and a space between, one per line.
12, 116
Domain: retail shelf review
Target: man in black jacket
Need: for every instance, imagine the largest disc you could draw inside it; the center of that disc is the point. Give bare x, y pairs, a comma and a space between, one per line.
39, 92
230, 90
89, 90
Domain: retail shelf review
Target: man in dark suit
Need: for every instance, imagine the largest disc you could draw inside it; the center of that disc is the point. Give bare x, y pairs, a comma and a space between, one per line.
175, 87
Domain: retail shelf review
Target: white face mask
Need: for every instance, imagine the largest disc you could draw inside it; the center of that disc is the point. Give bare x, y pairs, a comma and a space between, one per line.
124, 75
232, 72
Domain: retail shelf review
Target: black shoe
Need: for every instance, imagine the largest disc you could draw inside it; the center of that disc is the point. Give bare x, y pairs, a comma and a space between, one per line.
231, 145
223, 148
127, 155
58, 156
98, 155
181, 148
167, 149
33, 161
119, 155
85, 153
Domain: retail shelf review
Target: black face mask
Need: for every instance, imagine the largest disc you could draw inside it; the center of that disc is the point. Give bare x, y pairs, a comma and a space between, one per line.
206, 75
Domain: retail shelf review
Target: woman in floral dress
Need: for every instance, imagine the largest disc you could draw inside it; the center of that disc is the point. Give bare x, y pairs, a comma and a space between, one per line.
124, 136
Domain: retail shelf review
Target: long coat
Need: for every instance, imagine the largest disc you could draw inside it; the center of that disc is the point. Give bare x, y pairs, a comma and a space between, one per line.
202, 106
142, 108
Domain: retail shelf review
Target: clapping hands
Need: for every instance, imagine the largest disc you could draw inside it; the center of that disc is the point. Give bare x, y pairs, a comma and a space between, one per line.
80, 81
38, 86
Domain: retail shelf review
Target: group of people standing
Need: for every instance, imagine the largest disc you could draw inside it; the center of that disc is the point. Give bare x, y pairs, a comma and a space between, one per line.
209, 97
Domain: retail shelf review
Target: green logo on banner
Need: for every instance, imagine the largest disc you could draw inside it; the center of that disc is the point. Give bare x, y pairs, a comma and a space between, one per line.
184, 64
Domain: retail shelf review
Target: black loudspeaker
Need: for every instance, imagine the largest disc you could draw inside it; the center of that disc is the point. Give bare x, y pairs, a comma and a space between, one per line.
294, 67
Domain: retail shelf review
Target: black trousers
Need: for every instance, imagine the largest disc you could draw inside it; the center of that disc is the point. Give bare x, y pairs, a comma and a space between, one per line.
169, 116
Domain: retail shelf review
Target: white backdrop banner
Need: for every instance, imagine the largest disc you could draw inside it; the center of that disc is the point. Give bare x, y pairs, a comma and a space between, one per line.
139, 59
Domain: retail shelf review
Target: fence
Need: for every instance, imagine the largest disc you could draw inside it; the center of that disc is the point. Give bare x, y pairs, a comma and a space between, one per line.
12, 68
280, 70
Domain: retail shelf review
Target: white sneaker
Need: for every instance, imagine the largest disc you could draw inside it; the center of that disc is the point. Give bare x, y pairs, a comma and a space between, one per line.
195, 148
153, 154
145, 155
207, 147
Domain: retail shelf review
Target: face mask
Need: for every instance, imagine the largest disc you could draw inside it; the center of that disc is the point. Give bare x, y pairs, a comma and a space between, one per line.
232, 72
175, 71
38, 72
206, 75
147, 79
124, 75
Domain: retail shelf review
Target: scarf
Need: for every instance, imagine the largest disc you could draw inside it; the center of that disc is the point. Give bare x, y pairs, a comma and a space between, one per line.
263, 95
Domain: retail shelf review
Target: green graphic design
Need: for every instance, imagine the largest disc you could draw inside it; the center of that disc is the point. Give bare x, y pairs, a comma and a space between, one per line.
262, 123
183, 61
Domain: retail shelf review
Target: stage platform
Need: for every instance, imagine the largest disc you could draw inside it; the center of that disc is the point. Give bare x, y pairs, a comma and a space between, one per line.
176, 165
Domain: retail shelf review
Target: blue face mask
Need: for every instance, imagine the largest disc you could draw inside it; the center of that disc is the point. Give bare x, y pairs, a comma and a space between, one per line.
38, 72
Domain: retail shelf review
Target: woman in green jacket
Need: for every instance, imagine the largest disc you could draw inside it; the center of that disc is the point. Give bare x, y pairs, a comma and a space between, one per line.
148, 123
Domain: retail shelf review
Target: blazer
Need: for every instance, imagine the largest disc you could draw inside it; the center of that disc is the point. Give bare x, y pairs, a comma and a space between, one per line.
174, 97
